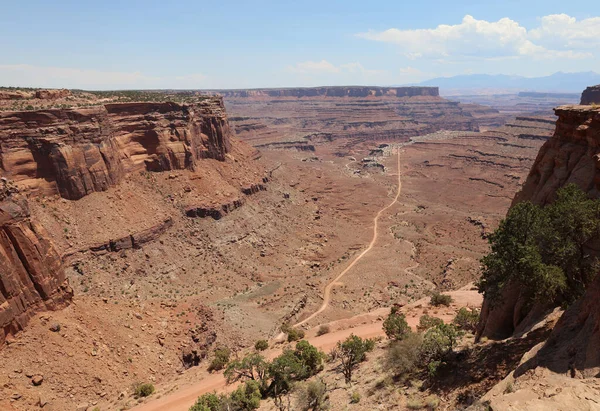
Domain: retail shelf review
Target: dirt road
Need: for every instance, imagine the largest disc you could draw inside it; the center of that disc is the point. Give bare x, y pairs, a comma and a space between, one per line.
327, 292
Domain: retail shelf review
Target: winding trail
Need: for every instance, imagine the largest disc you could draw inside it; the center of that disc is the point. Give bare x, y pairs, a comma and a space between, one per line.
328, 288
183, 398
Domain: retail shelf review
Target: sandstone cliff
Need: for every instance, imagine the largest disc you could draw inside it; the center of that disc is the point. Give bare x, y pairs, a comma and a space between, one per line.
74, 152
572, 155
340, 91
31, 275
591, 95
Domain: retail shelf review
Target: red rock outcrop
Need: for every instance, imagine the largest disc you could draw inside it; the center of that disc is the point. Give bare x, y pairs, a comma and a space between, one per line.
572, 155
75, 152
52, 94
591, 95
14, 95
31, 275
339, 91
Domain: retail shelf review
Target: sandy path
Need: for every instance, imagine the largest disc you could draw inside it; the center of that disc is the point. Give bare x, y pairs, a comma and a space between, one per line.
327, 292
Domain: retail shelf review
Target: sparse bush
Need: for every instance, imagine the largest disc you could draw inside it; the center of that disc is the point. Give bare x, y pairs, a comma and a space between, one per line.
395, 325
437, 343
221, 359
351, 352
403, 356
438, 299
207, 402
295, 334
355, 397
313, 396
467, 319
261, 345
252, 367
426, 322
324, 329
143, 390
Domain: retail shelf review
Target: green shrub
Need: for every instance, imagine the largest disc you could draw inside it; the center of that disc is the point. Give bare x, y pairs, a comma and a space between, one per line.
295, 334
261, 345
355, 398
220, 360
143, 390
351, 352
245, 398
467, 319
207, 402
403, 356
252, 367
324, 329
437, 343
542, 250
438, 299
427, 321
395, 325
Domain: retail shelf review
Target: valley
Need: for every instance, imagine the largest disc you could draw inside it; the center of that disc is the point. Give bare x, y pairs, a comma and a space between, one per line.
200, 222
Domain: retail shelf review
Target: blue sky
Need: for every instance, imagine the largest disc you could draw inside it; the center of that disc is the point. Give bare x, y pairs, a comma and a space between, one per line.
240, 44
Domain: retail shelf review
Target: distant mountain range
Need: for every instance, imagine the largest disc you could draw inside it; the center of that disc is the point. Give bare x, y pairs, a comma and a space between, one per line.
557, 82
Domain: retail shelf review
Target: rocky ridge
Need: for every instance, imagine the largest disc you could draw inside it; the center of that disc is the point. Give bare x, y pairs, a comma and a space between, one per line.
74, 152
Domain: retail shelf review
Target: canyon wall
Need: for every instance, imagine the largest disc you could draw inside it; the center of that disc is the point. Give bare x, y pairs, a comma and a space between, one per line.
591, 95
339, 91
572, 155
31, 275
74, 152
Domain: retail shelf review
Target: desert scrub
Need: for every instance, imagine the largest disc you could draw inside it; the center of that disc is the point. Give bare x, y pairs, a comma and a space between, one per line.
324, 329
143, 390
261, 345
438, 299
467, 319
426, 322
221, 359
355, 398
395, 325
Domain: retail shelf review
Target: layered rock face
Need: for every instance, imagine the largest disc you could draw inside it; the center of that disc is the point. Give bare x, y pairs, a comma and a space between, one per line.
75, 152
31, 275
572, 155
266, 121
591, 95
350, 91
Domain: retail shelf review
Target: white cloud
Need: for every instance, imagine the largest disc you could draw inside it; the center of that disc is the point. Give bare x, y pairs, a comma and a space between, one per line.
561, 31
57, 77
505, 38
